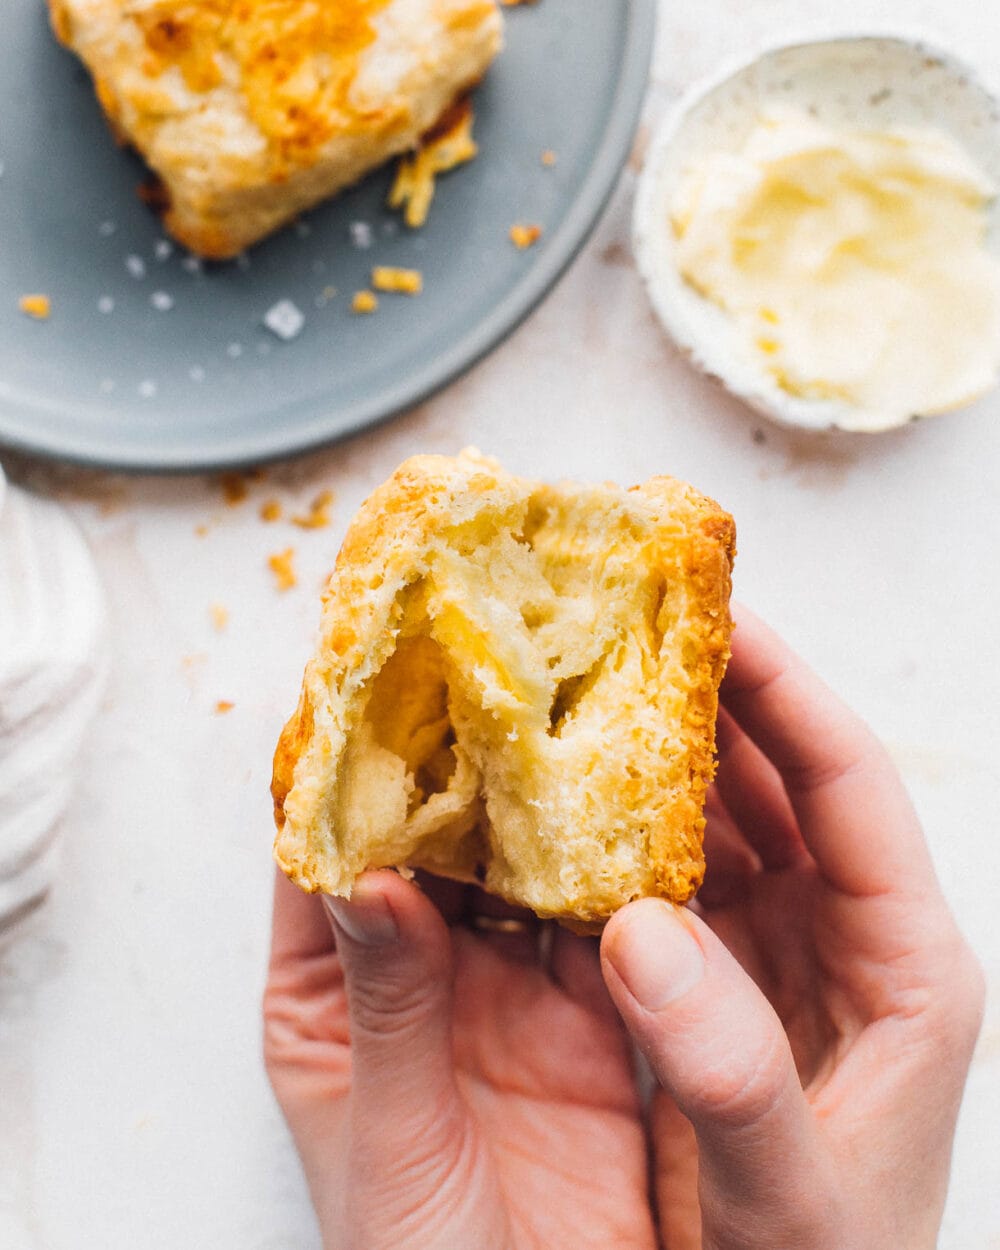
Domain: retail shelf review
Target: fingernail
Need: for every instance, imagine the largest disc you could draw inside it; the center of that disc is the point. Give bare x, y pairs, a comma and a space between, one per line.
366, 919
656, 954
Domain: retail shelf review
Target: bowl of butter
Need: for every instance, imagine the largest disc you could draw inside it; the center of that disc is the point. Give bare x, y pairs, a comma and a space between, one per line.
819, 229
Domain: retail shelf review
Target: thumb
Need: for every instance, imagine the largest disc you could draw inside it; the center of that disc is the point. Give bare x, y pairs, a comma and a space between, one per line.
717, 1047
407, 1117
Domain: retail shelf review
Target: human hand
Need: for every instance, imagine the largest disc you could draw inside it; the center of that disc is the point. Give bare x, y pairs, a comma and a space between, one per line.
811, 1028
447, 1091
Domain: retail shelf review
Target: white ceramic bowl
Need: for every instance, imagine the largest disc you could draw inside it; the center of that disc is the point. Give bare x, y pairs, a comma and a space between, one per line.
860, 80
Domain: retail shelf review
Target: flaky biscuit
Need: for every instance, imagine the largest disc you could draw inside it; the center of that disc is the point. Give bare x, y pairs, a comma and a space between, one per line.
251, 113
515, 684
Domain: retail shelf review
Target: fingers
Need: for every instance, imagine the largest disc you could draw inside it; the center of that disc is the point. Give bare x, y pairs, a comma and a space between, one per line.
730, 863
852, 810
513, 932
299, 929
576, 968
718, 1049
675, 1175
750, 787
396, 954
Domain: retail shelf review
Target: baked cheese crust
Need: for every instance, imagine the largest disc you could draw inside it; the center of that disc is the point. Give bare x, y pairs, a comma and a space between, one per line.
250, 112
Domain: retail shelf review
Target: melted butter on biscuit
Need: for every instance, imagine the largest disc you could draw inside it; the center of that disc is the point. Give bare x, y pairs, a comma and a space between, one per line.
853, 262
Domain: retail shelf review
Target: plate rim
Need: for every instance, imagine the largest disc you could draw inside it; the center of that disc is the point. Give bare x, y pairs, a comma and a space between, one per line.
314, 431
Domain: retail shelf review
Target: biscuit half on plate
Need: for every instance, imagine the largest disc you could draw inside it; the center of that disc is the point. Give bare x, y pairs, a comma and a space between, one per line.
515, 684
250, 113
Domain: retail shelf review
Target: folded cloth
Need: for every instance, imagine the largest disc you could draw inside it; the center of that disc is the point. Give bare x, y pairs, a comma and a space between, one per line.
52, 666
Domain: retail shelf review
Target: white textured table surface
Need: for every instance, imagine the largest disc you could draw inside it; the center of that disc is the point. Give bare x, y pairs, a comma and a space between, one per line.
134, 1111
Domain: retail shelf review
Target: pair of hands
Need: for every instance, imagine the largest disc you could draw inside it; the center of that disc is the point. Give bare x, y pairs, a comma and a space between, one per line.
809, 1022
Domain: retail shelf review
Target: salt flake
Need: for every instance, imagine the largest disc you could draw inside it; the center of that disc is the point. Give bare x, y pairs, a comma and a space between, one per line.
284, 319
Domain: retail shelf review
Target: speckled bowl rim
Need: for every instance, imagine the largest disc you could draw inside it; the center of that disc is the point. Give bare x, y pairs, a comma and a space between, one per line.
825, 415
315, 423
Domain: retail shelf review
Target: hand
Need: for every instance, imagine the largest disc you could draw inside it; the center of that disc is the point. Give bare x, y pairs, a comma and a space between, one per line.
445, 1091
812, 1030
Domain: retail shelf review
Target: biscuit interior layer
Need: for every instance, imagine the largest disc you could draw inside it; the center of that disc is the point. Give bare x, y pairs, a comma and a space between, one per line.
517, 685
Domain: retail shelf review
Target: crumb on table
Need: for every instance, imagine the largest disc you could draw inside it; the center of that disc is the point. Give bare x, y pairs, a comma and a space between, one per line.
549, 157
405, 281
281, 565
271, 510
37, 306
223, 706
364, 302
318, 515
220, 616
523, 236
234, 488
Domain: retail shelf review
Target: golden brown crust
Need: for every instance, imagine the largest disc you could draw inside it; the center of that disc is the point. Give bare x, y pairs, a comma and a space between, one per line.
252, 113
516, 679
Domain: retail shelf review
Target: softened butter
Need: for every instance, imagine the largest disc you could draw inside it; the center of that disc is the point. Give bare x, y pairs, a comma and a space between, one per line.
854, 262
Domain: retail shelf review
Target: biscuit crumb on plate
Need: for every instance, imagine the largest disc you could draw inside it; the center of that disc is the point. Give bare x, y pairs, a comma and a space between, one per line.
525, 236
37, 306
404, 281
364, 302
448, 145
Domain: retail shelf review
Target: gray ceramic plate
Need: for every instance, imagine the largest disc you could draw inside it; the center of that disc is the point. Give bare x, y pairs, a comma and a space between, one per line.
114, 377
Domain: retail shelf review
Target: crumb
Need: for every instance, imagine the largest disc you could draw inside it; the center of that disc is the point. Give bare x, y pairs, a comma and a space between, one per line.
405, 281
284, 319
759, 437
449, 144
223, 706
105, 305
318, 516
163, 249
549, 158
147, 388
220, 616
280, 565
234, 488
364, 302
270, 510
37, 306
201, 531
161, 301
361, 234
525, 236
136, 266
